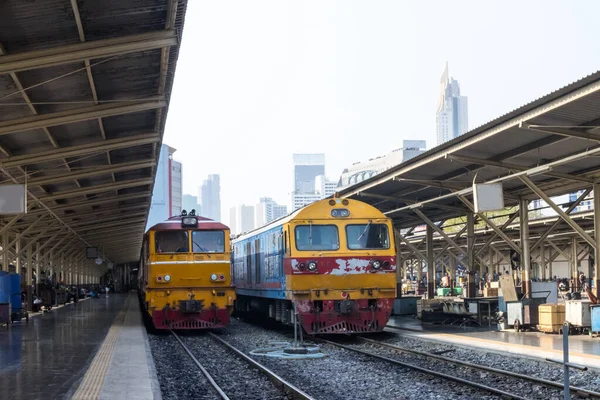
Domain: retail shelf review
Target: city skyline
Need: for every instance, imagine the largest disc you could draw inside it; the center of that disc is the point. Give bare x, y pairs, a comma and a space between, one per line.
350, 82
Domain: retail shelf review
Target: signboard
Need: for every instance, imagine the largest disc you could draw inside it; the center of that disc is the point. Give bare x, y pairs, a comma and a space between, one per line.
488, 197
13, 199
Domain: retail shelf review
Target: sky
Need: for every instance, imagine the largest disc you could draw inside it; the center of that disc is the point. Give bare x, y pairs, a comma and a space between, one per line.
258, 81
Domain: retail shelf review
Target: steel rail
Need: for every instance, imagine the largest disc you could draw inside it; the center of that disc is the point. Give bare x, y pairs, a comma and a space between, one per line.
483, 367
287, 387
204, 371
428, 371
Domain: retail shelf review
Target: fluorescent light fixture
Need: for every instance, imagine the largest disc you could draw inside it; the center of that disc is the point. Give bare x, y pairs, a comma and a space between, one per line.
538, 170
416, 205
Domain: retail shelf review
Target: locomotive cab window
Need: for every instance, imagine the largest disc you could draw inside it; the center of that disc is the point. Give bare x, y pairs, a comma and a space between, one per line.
171, 241
317, 237
367, 236
208, 241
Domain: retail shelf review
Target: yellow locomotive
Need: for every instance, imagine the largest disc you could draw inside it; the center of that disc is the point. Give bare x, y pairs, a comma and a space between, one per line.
331, 264
185, 273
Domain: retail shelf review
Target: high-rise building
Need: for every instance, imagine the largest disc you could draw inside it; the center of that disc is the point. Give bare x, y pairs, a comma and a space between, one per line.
310, 183
306, 168
210, 197
176, 179
191, 203
452, 114
360, 171
300, 200
324, 187
233, 227
167, 196
241, 219
267, 210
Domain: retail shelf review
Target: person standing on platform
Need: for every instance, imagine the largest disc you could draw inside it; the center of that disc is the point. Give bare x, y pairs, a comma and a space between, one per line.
107, 290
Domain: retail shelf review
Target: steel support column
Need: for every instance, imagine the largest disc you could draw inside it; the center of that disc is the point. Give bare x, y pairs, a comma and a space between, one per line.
470, 242
29, 266
574, 262
18, 264
525, 250
5, 251
543, 262
37, 263
597, 238
430, 264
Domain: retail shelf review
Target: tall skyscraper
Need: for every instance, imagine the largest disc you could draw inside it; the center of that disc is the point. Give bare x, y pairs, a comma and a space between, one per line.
191, 203
241, 219
268, 210
452, 113
310, 184
233, 226
167, 196
210, 197
306, 168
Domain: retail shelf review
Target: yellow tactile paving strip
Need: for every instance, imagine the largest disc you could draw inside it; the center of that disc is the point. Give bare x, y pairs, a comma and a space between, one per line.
93, 380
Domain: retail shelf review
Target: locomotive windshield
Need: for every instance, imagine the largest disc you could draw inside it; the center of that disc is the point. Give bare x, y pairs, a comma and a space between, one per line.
208, 241
317, 237
367, 236
171, 241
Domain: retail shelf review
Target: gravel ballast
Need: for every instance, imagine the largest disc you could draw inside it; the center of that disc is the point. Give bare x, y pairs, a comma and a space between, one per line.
523, 365
178, 376
344, 374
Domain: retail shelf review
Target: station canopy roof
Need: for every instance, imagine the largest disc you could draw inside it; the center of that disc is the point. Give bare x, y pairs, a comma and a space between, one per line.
552, 142
84, 93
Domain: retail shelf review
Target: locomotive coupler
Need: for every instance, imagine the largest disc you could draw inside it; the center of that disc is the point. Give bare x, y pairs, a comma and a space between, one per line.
346, 307
191, 306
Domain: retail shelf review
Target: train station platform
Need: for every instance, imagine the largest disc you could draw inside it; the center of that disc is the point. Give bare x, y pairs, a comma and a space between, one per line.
94, 349
583, 349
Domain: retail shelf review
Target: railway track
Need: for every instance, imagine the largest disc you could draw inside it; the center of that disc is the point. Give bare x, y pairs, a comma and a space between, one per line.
483, 368
287, 390
438, 366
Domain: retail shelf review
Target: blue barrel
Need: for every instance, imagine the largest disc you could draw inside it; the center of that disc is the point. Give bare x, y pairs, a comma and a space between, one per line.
16, 303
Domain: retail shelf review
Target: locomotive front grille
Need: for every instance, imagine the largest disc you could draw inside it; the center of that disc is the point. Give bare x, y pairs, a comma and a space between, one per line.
191, 306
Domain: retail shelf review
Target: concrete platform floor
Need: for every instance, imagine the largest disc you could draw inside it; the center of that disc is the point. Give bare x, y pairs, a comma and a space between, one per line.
81, 350
583, 349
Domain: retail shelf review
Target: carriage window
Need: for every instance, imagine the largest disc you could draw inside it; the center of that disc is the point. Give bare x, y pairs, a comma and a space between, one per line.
317, 237
208, 241
171, 241
367, 236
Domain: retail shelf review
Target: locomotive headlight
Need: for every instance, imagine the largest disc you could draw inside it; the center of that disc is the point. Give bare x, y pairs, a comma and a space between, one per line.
214, 277
167, 278
312, 266
376, 264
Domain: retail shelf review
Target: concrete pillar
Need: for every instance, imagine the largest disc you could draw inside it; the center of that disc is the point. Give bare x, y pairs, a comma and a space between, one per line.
430, 264
526, 255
